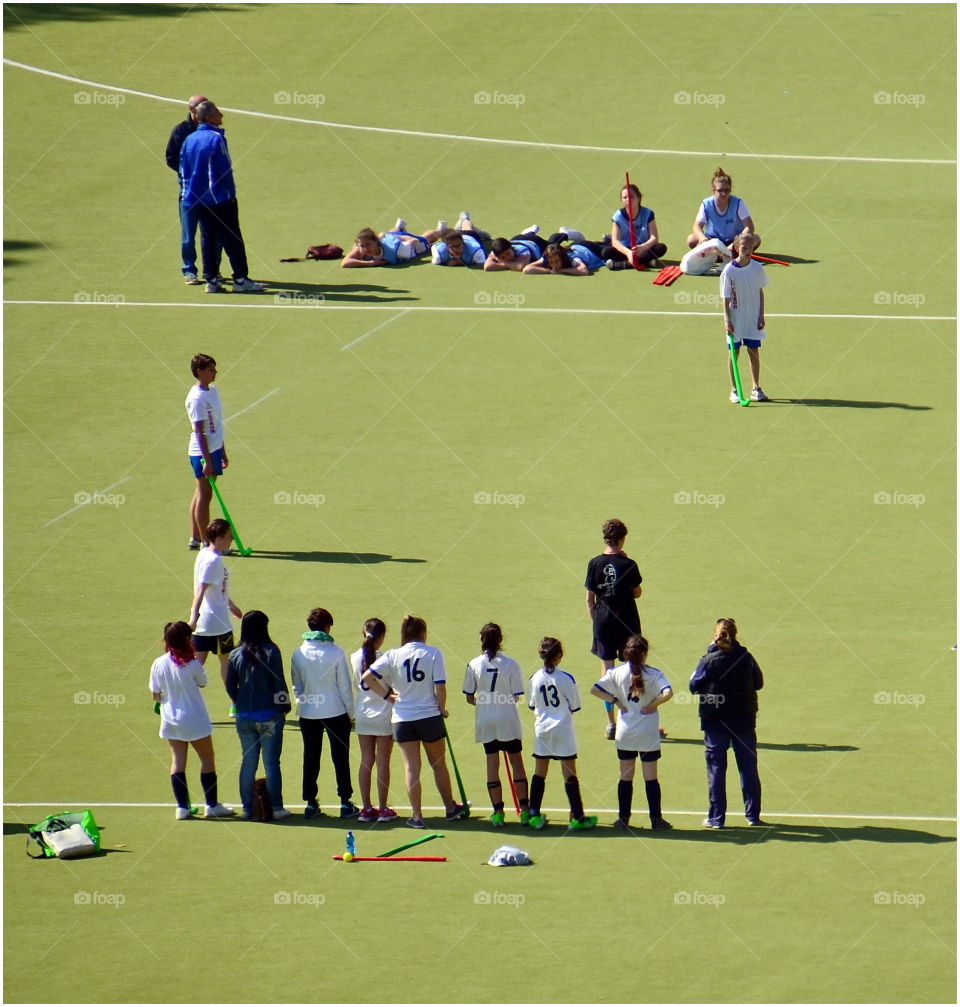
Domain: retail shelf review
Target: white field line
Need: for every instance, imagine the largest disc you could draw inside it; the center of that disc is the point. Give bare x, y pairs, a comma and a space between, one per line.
537, 311
431, 807
376, 328
485, 139
88, 501
253, 405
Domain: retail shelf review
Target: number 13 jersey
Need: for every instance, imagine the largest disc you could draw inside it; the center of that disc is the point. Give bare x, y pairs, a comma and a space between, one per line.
554, 698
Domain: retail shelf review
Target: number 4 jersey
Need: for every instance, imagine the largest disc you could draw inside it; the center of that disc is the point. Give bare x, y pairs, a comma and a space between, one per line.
495, 685
412, 671
554, 698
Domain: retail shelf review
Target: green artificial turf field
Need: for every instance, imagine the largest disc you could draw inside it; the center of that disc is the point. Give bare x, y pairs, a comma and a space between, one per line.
448, 442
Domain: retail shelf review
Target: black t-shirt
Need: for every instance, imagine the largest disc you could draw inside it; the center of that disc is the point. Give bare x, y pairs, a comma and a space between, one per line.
613, 579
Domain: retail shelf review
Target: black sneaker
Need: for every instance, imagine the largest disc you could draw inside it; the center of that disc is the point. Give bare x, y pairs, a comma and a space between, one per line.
312, 810
660, 825
349, 810
459, 811
614, 265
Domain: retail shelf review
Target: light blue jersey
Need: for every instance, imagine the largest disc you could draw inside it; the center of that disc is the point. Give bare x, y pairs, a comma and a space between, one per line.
641, 225
724, 226
473, 253
590, 259
394, 250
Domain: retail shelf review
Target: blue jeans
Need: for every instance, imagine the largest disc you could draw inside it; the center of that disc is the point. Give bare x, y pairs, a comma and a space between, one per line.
189, 221
718, 736
260, 737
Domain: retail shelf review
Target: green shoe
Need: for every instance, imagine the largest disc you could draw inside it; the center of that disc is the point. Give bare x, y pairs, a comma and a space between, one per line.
586, 822
537, 821
525, 816
498, 819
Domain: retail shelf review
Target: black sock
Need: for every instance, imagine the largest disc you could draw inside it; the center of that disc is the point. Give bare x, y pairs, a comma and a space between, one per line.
653, 798
625, 799
498, 807
209, 783
524, 802
179, 783
572, 787
537, 785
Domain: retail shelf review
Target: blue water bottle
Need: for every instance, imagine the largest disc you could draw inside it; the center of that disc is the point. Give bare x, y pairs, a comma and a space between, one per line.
351, 844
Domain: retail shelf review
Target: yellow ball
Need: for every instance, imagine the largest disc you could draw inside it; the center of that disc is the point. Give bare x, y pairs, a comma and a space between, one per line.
347, 857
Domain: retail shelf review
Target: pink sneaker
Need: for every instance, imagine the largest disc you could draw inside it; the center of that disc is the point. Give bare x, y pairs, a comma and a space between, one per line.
386, 815
368, 815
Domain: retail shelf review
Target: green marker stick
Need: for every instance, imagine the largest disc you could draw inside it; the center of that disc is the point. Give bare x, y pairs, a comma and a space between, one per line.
241, 548
416, 842
736, 372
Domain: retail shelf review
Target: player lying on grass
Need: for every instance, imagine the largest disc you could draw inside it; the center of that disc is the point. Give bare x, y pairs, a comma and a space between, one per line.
390, 248
517, 252
461, 245
580, 259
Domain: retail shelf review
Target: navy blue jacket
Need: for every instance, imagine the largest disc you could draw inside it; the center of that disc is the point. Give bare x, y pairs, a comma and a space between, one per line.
727, 682
206, 173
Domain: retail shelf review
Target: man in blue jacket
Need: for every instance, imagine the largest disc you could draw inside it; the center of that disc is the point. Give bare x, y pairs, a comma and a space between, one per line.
206, 180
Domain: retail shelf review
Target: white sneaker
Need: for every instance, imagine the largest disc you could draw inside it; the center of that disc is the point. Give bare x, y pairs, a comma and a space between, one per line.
191, 279
184, 813
279, 813
532, 229
217, 811
246, 286
400, 225
733, 395
442, 225
212, 287
758, 395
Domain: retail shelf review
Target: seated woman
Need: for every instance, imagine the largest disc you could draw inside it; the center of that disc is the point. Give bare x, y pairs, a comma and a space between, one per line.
580, 259
721, 215
390, 247
646, 247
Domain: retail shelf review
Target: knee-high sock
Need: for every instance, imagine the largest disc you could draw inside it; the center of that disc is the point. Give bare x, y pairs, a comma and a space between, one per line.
572, 787
209, 783
179, 783
537, 785
625, 799
653, 798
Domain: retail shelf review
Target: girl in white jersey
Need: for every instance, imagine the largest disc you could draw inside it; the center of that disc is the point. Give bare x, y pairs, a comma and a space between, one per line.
413, 678
493, 684
554, 699
636, 690
374, 731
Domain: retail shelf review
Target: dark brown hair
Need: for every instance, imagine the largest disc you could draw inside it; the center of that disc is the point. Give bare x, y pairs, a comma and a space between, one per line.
178, 642
200, 363
635, 653
491, 639
373, 630
725, 633
319, 619
551, 652
413, 628
613, 531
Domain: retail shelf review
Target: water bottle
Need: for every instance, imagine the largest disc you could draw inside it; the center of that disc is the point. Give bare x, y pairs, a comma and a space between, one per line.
351, 844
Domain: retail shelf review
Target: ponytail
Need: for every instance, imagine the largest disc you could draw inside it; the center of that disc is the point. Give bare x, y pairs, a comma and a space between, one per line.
551, 652
491, 639
373, 630
636, 654
725, 634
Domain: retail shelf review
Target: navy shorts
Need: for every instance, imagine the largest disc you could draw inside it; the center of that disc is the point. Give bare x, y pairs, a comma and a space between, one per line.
221, 644
196, 461
429, 730
510, 747
752, 344
625, 756
557, 758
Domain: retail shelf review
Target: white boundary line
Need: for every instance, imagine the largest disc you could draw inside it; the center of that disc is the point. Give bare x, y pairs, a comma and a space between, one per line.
376, 328
486, 139
430, 807
427, 307
253, 405
86, 503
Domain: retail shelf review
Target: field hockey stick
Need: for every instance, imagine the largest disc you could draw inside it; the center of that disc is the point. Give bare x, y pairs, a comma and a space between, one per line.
434, 860
766, 258
736, 372
633, 233
241, 548
407, 846
456, 773
513, 786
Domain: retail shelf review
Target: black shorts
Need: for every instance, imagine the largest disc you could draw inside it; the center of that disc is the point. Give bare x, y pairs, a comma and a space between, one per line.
610, 637
625, 756
510, 747
557, 758
222, 644
429, 730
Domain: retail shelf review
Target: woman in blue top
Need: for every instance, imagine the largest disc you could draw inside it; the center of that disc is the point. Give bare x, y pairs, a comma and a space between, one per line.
580, 259
721, 215
390, 247
259, 691
646, 245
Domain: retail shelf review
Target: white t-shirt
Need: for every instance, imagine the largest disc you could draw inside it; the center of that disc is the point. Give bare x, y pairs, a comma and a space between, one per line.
183, 713
373, 712
636, 731
553, 697
495, 684
412, 671
742, 285
203, 406
321, 681
214, 616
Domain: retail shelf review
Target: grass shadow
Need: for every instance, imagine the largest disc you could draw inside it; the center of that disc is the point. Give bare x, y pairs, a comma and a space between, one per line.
849, 404
752, 835
318, 293
24, 15
798, 746
318, 556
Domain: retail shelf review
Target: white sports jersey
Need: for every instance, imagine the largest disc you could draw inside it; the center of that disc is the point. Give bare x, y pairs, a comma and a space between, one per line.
553, 697
203, 406
412, 671
636, 731
183, 713
214, 616
495, 683
742, 285
373, 713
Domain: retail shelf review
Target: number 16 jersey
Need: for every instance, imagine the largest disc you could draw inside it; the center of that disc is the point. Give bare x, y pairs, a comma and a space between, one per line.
412, 671
554, 698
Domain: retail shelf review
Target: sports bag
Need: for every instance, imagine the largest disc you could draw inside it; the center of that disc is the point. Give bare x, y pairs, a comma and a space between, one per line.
66, 835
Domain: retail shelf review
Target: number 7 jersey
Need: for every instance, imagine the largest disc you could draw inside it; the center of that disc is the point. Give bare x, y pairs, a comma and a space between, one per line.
554, 698
496, 685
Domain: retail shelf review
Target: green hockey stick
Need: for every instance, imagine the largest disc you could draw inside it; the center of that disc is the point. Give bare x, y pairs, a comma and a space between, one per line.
241, 548
736, 373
